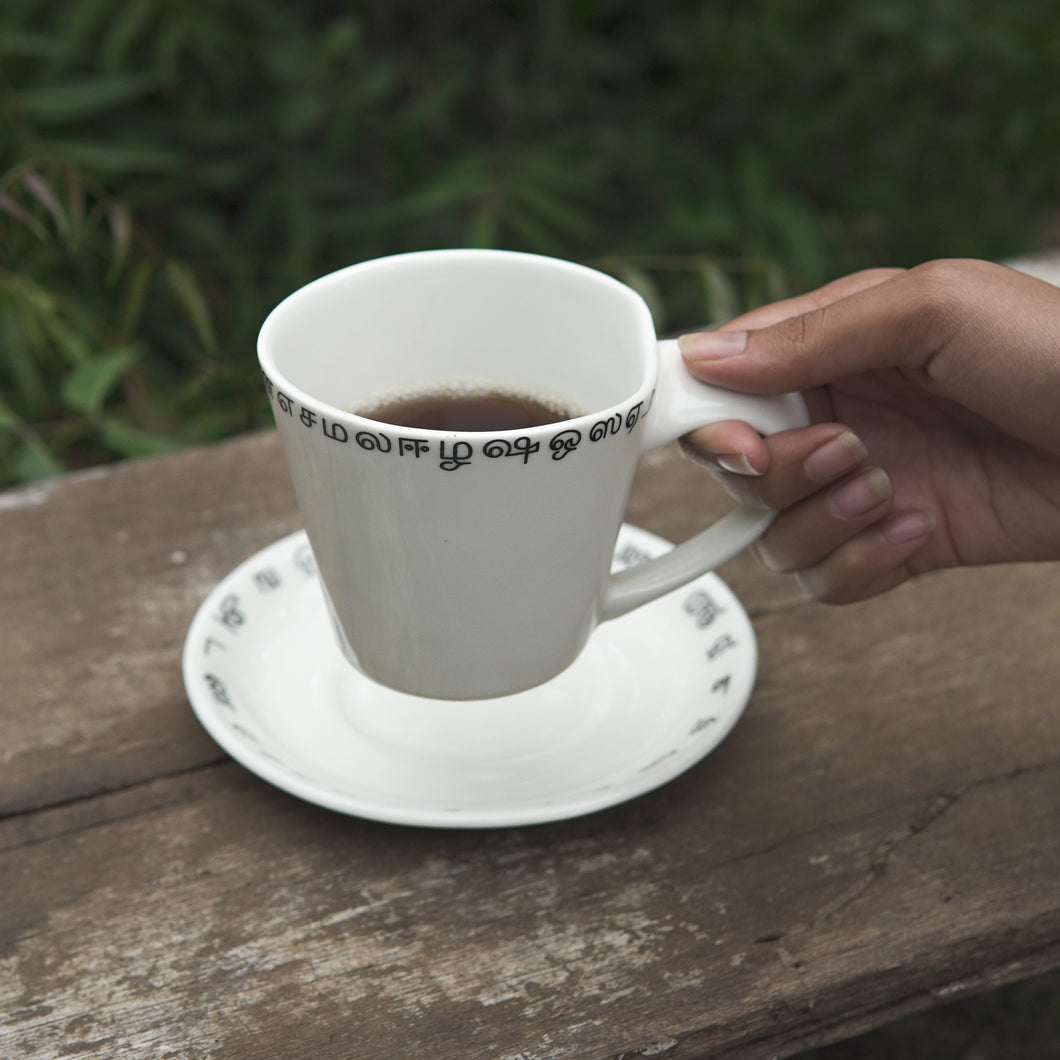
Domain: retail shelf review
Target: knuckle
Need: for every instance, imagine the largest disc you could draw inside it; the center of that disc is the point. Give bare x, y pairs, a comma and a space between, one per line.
938, 307
811, 584
694, 447
799, 331
824, 587
772, 558
940, 282
836, 579
743, 490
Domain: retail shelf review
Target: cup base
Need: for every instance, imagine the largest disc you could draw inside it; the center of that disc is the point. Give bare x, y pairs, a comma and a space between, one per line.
509, 729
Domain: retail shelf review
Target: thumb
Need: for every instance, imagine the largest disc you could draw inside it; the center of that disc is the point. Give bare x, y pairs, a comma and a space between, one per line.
975, 333
823, 339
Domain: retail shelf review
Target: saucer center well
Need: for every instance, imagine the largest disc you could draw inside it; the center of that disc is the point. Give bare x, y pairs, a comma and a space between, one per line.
562, 713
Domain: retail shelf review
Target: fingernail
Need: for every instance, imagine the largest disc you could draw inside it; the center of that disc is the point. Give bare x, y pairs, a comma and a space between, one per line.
737, 463
853, 499
842, 454
712, 345
907, 527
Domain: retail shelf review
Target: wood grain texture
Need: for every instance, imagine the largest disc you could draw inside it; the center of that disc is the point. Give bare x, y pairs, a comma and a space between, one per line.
878, 834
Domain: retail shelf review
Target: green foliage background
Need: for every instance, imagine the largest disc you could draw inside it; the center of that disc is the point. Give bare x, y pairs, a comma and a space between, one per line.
170, 169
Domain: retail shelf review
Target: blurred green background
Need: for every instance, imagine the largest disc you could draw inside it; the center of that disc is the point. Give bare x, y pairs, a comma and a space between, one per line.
169, 169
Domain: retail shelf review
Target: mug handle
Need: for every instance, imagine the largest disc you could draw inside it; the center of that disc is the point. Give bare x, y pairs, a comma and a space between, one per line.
682, 403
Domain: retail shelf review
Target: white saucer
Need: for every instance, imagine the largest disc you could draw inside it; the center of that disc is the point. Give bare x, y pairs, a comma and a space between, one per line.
652, 693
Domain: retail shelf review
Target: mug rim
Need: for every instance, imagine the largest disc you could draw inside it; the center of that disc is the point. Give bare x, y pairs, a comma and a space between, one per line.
641, 395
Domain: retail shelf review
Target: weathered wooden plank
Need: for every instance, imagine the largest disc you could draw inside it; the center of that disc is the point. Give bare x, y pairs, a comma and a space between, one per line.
101, 573
880, 831
211, 916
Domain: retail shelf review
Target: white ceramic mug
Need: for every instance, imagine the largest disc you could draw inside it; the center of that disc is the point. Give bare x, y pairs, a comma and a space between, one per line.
469, 565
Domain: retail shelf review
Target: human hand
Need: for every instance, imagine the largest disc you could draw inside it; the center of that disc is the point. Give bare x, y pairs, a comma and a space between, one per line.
936, 443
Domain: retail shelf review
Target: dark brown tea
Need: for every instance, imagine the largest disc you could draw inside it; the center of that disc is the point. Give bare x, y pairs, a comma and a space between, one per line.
468, 410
